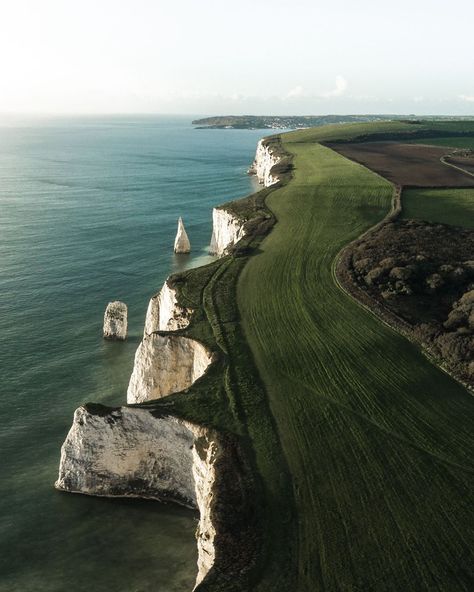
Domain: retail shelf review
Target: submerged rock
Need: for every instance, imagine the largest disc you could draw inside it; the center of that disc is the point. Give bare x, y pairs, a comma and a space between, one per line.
115, 321
181, 242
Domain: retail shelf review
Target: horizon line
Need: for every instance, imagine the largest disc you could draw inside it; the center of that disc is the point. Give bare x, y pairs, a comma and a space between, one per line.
206, 115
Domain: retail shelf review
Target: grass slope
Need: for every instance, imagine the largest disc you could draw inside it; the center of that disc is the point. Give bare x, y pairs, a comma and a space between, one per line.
448, 206
376, 438
386, 130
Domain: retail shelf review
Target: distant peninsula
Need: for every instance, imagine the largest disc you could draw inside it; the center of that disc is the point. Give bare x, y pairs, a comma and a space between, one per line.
277, 122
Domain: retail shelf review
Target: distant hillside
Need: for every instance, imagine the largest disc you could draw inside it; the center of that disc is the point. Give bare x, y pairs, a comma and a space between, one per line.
291, 121
281, 122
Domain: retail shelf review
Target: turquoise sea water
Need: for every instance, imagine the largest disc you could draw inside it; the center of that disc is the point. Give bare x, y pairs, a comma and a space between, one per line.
88, 211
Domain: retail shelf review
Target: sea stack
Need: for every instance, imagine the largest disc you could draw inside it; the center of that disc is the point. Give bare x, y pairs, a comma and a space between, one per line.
115, 321
181, 242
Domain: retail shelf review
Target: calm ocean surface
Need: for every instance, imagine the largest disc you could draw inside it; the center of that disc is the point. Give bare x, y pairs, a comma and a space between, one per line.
88, 212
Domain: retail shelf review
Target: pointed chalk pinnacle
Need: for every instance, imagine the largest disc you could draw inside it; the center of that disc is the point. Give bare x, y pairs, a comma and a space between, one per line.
181, 242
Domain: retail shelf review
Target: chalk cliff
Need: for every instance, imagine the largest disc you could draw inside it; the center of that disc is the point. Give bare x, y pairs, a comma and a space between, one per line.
141, 452
262, 166
181, 242
127, 452
115, 321
164, 313
227, 230
165, 364
130, 452
204, 455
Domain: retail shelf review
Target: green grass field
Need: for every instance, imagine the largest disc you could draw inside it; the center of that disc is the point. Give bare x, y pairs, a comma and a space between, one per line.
403, 131
377, 440
449, 141
448, 206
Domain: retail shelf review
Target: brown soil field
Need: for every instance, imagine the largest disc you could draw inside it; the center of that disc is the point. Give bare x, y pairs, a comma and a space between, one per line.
416, 165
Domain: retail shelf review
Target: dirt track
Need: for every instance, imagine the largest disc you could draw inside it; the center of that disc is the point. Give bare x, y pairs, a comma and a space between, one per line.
463, 163
416, 165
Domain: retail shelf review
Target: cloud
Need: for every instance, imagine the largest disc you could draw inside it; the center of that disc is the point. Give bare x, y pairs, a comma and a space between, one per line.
295, 93
338, 90
299, 92
468, 98
418, 99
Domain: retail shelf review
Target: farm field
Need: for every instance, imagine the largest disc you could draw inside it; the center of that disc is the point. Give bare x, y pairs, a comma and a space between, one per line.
406, 164
377, 439
447, 206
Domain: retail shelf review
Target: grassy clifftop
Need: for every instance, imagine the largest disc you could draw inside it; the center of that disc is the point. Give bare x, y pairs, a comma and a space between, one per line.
377, 439
385, 130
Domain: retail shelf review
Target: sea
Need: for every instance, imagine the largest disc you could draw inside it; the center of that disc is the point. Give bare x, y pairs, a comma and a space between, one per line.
88, 214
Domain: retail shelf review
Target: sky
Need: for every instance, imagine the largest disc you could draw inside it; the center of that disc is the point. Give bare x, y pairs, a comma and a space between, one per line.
237, 57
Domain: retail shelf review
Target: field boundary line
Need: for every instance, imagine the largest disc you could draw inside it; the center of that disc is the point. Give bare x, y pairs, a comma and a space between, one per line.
453, 166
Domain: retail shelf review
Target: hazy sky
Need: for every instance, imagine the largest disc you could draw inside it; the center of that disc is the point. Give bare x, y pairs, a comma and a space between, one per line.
247, 56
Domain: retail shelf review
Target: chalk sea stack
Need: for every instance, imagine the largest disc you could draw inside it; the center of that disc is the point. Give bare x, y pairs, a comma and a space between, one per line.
115, 321
181, 242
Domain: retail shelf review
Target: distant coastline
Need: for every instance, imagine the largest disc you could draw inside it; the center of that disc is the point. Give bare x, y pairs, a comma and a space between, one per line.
279, 122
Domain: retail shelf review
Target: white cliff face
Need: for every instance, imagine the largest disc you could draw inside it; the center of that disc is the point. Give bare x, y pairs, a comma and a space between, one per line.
166, 364
129, 452
227, 230
204, 456
262, 166
115, 321
181, 242
164, 313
